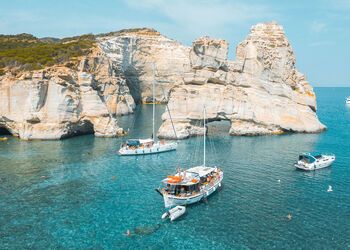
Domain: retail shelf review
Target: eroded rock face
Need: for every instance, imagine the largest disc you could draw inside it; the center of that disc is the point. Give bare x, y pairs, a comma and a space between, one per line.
146, 56
260, 93
59, 102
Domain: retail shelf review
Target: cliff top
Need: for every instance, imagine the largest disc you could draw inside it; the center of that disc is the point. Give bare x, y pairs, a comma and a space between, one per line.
134, 31
208, 41
27, 52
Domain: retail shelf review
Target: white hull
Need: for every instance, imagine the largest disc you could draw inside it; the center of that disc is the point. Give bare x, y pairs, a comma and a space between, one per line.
174, 213
156, 148
323, 163
172, 200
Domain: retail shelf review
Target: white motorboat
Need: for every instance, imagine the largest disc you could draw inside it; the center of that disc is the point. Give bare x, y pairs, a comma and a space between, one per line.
347, 100
191, 185
150, 145
314, 161
174, 213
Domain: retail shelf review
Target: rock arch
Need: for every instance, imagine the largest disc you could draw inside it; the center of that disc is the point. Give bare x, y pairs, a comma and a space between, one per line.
5, 131
260, 93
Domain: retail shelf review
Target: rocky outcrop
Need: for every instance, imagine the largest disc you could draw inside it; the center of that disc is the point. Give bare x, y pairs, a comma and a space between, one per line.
145, 56
59, 102
260, 93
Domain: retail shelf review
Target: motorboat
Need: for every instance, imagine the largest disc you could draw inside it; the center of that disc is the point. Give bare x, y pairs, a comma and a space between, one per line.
146, 146
348, 100
174, 213
191, 185
314, 161
149, 145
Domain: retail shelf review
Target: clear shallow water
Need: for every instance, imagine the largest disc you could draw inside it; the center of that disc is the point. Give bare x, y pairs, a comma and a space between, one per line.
78, 194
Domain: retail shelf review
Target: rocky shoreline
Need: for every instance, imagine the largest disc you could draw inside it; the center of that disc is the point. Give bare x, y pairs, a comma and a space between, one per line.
261, 92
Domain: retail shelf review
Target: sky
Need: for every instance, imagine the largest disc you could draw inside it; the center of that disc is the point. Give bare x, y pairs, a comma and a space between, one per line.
318, 30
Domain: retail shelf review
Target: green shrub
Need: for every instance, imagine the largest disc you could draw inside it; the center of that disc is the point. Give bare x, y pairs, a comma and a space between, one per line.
28, 52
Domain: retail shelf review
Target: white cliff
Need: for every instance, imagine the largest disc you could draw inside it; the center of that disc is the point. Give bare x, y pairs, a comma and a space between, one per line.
60, 102
145, 56
260, 93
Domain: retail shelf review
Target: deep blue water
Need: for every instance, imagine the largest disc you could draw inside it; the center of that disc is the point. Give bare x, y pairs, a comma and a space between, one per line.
78, 193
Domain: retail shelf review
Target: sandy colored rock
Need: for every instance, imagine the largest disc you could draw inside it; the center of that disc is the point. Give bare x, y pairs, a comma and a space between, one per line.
60, 102
146, 56
261, 92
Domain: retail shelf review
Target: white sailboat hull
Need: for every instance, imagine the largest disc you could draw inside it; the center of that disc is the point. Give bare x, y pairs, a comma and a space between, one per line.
155, 149
172, 200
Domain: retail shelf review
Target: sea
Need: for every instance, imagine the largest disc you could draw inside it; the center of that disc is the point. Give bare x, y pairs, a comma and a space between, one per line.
78, 193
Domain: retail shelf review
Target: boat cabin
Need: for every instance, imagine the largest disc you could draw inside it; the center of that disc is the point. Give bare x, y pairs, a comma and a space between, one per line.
138, 143
309, 158
189, 182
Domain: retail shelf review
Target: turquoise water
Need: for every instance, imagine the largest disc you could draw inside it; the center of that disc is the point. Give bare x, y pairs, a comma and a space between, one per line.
78, 194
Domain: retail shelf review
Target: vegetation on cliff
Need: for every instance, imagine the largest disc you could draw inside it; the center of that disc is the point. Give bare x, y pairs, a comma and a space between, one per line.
27, 52
136, 31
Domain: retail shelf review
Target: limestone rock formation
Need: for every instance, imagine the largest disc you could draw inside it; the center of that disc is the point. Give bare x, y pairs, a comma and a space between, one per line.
60, 102
145, 56
260, 93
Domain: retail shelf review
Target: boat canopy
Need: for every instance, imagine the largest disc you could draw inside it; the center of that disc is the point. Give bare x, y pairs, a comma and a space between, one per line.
201, 171
133, 142
142, 141
309, 157
189, 177
137, 142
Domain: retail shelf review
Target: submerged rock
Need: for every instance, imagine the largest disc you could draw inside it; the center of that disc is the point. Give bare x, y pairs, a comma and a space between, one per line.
147, 230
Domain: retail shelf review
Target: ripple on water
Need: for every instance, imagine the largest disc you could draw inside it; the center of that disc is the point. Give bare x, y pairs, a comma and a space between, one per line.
79, 194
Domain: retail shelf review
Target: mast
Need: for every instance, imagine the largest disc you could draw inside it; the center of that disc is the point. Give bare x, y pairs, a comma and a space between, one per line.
204, 136
153, 102
167, 108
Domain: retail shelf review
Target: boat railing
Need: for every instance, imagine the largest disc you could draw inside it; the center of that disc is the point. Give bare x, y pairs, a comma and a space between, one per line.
329, 154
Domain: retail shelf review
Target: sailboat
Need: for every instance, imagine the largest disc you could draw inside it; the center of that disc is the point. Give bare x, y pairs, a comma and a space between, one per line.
191, 185
149, 145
